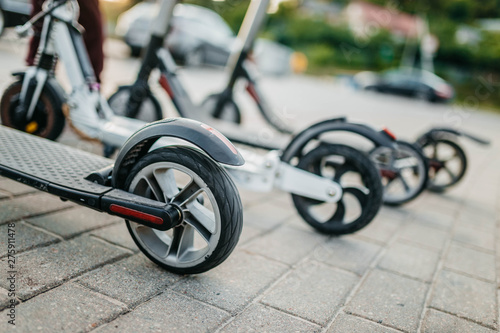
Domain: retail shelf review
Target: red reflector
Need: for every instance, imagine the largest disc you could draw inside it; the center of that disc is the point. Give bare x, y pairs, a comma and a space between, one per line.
221, 137
251, 90
166, 86
124, 211
389, 133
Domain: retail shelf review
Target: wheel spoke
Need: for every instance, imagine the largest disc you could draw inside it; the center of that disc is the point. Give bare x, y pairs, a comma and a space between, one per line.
173, 249
449, 172
186, 243
360, 193
187, 194
202, 215
338, 217
405, 183
167, 183
434, 151
340, 170
196, 225
154, 187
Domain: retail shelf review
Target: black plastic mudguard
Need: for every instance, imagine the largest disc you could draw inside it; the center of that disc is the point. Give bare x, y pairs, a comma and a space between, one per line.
212, 142
298, 143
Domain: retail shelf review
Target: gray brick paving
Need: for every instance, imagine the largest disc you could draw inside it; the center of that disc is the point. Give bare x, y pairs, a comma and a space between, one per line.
29, 205
352, 324
410, 260
45, 268
440, 220
281, 244
258, 216
26, 237
260, 318
416, 233
474, 237
14, 188
381, 229
466, 297
240, 279
169, 312
131, 281
313, 291
69, 308
6, 299
72, 222
439, 322
348, 253
117, 234
472, 262
390, 299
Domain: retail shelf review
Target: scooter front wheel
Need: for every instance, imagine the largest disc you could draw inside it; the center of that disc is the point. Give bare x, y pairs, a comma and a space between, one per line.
360, 182
447, 163
404, 172
210, 205
47, 120
230, 110
149, 108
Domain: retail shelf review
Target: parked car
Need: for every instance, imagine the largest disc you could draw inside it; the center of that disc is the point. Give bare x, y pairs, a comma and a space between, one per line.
198, 35
14, 12
408, 82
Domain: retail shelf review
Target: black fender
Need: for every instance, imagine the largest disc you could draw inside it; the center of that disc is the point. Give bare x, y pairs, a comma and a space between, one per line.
300, 140
448, 133
52, 87
212, 142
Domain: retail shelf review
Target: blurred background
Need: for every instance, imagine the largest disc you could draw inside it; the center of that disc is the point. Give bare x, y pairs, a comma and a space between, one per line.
441, 51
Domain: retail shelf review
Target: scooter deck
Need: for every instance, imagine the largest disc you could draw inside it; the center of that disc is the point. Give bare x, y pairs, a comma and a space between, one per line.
47, 165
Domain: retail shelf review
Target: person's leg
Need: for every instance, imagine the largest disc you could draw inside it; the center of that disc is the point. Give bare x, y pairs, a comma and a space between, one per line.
35, 40
91, 20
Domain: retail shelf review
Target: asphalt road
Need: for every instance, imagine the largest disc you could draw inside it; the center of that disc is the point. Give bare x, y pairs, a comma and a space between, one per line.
300, 99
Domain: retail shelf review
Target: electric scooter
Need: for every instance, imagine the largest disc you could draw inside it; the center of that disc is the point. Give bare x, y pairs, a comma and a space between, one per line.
138, 101
181, 207
325, 181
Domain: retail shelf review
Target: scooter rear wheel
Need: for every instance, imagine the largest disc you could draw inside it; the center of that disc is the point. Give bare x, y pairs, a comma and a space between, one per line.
47, 120
149, 110
210, 204
447, 163
230, 110
404, 172
360, 181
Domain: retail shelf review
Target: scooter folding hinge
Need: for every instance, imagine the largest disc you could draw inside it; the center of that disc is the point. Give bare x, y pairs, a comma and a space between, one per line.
150, 213
300, 182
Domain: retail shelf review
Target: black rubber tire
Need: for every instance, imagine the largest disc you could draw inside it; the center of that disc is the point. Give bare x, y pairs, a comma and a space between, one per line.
48, 114
460, 154
2, 21
150, 109
417, 151
222, 188
231, 112
369, 175
135, 51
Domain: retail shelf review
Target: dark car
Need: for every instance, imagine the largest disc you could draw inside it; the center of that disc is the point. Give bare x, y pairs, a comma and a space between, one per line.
411, 82
14, 12
198, 35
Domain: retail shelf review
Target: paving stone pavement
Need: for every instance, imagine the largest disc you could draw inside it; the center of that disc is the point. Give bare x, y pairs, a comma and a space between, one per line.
430, 266
413, 269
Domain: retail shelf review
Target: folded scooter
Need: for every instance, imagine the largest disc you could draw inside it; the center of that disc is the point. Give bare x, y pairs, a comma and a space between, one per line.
181, 207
